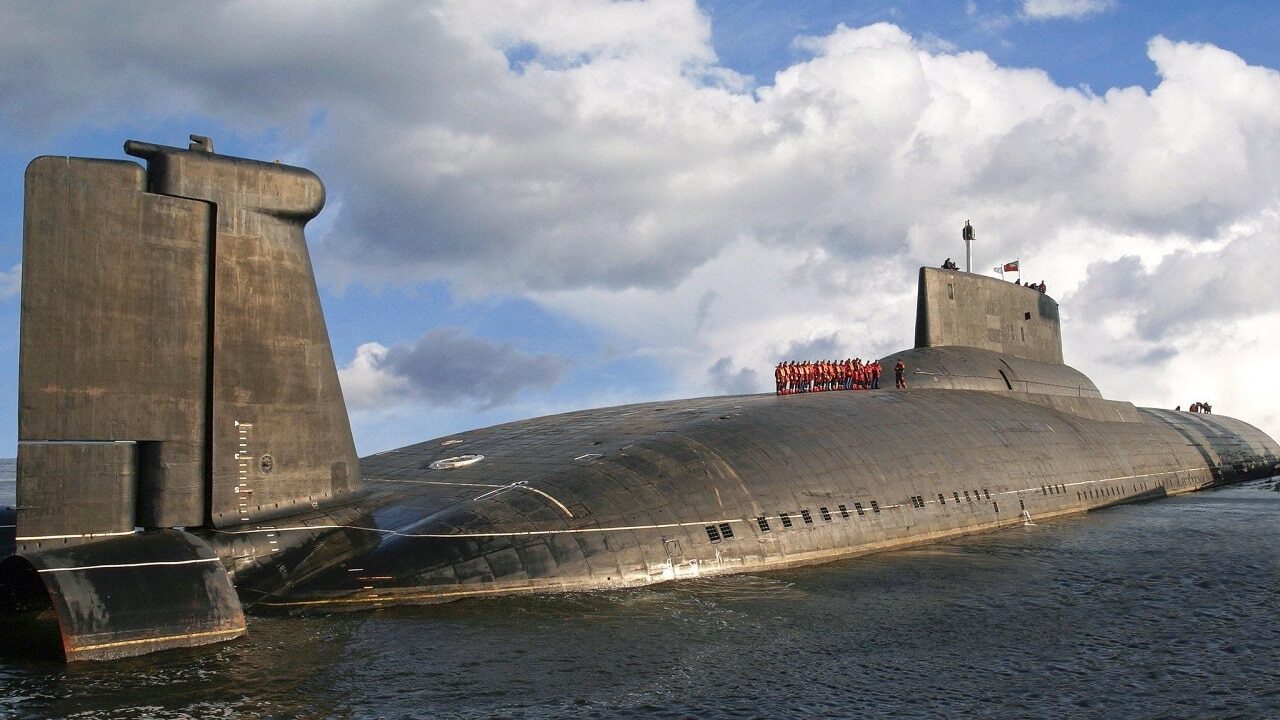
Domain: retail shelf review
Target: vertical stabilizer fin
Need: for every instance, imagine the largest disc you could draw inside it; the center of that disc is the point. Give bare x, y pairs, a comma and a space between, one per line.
175, 366
279, 437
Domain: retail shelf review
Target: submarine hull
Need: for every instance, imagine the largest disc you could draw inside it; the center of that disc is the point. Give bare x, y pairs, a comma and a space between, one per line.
646, 493
184, 449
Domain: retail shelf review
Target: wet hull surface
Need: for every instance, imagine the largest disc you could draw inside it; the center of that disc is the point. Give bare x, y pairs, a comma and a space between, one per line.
648, 493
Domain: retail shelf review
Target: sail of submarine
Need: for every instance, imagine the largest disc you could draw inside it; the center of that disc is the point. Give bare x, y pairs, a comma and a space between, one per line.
184, 451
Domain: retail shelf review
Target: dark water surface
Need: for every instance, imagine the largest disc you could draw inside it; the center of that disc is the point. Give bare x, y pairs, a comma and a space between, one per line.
1164, 609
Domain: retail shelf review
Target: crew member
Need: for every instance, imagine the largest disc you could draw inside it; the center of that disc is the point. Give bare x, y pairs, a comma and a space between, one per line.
899, 371
875, 375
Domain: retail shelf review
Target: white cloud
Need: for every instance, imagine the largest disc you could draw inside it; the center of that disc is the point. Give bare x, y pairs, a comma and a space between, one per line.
445, 367
366, 385
11, 282
1196, 324
1074, 9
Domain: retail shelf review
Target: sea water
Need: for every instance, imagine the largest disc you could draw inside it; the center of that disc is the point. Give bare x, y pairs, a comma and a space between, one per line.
1153, 610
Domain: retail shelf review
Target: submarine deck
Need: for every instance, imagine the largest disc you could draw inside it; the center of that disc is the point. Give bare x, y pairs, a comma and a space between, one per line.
643, 493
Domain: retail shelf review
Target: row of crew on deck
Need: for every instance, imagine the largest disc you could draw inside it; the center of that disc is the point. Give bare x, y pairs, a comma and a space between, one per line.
793, 376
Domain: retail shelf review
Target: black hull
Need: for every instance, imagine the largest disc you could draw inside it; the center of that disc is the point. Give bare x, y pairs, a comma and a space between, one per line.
641, 494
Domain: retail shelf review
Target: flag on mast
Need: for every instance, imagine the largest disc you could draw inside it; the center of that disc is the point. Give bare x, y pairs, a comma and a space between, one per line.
1010, 266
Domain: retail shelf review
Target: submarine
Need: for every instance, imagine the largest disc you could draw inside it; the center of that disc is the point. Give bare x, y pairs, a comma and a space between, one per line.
185, 455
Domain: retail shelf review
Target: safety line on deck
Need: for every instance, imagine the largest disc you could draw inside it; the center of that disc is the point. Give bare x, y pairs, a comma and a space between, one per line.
129, 565
493, 489
433, 482
455, 536
65, 537
548, 496
1112, 479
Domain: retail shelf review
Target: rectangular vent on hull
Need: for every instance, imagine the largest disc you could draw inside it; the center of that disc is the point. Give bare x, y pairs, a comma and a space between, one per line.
786, 520
826, 514
807, 519
858, 507
844, 511
763, 522
726, 530
875, 507
712, 534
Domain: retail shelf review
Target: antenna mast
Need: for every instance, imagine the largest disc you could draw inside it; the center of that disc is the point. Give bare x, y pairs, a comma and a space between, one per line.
967, 234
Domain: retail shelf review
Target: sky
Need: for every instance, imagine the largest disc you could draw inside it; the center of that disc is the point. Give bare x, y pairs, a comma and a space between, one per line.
539, 206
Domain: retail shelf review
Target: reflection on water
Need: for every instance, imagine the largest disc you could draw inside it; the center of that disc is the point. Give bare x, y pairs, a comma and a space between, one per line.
1161, 609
